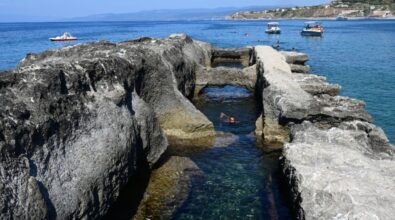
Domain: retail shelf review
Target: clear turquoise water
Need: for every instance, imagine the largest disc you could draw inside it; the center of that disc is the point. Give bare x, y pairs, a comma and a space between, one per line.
240, 181
359, 55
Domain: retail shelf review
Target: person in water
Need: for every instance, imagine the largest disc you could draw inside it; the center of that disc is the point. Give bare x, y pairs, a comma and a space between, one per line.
228, 119
277, 45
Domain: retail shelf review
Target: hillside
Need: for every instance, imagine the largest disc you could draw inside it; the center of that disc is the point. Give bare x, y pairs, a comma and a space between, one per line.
345, 8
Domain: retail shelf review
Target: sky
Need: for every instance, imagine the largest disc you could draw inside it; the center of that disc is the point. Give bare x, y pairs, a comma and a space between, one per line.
58, 9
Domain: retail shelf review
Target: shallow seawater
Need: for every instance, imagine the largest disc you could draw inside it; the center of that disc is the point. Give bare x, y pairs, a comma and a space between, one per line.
240, 180
358, 55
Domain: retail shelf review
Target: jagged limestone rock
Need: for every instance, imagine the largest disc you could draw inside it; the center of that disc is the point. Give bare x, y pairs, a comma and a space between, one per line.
78, 122
342, 173
316, 85
295, 58
336, 163
222, 76
296, 68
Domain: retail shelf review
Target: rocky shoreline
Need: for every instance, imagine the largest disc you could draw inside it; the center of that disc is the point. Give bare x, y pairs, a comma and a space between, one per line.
79, 123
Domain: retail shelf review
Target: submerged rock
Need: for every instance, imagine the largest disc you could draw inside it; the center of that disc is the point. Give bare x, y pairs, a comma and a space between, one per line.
168, 188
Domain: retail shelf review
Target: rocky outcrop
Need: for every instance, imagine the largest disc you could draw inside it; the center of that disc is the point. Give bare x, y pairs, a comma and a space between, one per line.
78, 122
283, 98
337, 164
231, 55
345, 172
296, 61
296, 58
289, 97
221, 76
316, 85
168, 188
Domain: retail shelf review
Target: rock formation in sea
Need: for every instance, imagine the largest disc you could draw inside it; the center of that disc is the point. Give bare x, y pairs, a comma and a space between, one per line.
78, 124
336, 163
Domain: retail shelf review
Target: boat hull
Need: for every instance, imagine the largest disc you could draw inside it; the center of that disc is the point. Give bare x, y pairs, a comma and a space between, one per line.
70, 39
273, 32
311, 33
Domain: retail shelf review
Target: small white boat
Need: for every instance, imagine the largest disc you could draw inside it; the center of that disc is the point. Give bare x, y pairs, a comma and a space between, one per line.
65, 37
313, 28
273, 28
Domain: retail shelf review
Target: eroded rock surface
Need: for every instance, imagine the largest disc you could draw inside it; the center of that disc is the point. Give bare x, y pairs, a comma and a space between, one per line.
337, 164
221, 76
341, 173
297, 58
231, 55
76, 123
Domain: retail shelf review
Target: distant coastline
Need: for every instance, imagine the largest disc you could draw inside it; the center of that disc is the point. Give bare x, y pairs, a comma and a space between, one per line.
310, 18
352, 10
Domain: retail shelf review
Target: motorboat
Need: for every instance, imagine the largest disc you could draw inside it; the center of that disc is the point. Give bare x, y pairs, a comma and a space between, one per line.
313, 28
273, 28
65, 37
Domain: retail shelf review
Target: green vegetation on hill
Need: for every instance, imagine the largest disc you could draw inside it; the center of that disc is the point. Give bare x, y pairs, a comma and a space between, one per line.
344, 8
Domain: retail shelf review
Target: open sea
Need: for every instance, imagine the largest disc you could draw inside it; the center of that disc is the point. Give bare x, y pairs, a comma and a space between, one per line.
241, 181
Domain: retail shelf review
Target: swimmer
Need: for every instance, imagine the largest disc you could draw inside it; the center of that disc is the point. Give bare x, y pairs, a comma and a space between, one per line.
228, 119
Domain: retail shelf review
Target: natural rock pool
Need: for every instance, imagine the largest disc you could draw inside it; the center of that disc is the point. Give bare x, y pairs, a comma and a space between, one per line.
241, 181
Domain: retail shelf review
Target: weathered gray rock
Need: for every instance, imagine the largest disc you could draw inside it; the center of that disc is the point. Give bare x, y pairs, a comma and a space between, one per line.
231, 55
341, 173
295, 68
282, 96
221, 76
289, 97
316, 85
168, 188
334, 109
337, 164
292, 57
78, 122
